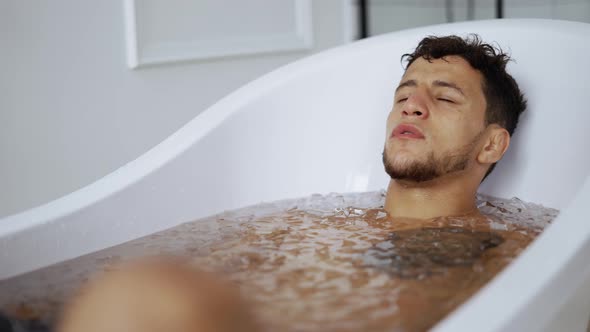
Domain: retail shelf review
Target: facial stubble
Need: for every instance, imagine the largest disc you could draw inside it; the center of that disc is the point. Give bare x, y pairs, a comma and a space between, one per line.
432, 167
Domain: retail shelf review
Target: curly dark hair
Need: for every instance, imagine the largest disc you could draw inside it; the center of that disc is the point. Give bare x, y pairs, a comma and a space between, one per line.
505, 101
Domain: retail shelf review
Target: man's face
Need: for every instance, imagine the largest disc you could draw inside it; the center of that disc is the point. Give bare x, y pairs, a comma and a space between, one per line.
436, 121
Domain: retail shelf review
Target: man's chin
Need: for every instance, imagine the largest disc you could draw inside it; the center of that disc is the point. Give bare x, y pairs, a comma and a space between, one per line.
410, 170
416, 175
405, 163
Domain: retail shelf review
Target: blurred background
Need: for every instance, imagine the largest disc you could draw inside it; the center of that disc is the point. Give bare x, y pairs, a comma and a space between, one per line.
88, 86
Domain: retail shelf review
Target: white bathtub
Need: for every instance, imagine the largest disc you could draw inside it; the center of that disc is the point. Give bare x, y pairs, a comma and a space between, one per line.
317, 126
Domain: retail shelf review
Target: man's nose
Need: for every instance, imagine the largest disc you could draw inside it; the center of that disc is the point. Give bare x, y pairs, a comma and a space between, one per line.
415, 106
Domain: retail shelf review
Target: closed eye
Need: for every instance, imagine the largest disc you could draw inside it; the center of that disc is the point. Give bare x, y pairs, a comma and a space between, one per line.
446, 100
402, 100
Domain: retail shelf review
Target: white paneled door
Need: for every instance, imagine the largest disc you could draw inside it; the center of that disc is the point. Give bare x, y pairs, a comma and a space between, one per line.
179, 30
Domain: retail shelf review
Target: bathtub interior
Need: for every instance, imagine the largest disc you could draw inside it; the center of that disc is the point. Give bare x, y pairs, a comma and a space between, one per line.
317, 126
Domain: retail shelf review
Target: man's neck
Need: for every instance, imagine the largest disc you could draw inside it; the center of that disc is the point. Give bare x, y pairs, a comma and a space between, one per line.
435, 198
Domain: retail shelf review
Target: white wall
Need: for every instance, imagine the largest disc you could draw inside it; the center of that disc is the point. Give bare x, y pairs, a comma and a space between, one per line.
72, 111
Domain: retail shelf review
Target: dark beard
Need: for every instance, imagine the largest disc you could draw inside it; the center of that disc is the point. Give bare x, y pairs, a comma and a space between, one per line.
432, 168
428, 170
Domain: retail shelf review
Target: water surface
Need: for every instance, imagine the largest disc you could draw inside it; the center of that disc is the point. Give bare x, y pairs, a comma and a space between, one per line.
321, 263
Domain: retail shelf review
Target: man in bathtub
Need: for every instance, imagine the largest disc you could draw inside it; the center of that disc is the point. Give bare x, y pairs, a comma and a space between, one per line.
454, 111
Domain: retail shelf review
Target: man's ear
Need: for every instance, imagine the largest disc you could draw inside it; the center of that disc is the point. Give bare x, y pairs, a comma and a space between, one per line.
496, 144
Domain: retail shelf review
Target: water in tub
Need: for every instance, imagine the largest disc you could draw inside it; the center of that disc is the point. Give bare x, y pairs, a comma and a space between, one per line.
323, 263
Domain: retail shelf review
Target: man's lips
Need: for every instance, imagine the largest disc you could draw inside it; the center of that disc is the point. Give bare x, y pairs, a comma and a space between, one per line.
407, 131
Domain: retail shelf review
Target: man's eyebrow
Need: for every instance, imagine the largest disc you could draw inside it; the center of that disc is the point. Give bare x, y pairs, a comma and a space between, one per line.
448, 85
405, 84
